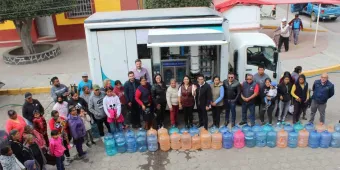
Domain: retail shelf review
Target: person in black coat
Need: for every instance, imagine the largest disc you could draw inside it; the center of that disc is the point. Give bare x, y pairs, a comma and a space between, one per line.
20, 151
268, 100
130, 88
284, 97
203, 99
29, 106
78, 102
36, 151
158, 92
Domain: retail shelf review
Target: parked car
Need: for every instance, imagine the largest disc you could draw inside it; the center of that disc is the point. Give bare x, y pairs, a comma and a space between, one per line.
328, 11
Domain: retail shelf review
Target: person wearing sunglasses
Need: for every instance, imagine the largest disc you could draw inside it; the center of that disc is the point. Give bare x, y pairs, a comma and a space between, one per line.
250, 89
29, 106
232, 91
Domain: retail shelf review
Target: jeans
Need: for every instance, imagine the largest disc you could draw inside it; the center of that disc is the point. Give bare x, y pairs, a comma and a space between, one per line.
173, 114
116, 127
296, 35
216, 112
59, 163
230, 107
283, 110
314, 107
269, 113
100, 123
188, 115
160, 114
203, 116
251, 108
79, 146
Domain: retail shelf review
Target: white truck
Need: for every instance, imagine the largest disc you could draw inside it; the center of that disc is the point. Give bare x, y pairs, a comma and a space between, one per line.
174, 42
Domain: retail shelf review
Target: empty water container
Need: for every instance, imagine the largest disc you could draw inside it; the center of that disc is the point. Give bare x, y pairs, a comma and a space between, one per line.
320, 127
288, 128
227, 140
330, 128
281, 140
131, 144
271, 139
261, 137
314, 139
335, 140
223, 129
267, 128
239, 139
256, 128
292, 139
181, 131
246, 128
129, 133
235, 129
216, 140
213, 129
141, 140
250, 139
110, 145
278, 127
303, 138
337, 127
309, 127
121, 143
152, 143
162, 131
194, 130
326, 139
173, 129
298, 126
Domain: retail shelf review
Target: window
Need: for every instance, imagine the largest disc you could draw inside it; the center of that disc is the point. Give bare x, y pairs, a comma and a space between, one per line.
83, 9
261, 56
143, 51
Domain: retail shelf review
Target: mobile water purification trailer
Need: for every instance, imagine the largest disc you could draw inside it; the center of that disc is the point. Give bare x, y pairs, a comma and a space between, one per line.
173, 42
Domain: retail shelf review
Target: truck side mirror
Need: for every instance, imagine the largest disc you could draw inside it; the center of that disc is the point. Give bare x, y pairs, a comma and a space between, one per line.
276, 57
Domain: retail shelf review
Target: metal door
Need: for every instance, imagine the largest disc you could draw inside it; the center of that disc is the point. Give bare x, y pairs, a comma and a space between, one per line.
45, 26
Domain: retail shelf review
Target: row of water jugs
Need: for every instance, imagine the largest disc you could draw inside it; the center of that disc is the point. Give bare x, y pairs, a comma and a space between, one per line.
260, 136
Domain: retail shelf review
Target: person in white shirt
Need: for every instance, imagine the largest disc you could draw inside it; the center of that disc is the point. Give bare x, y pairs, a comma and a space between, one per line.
61, 106
112, 108
284, 29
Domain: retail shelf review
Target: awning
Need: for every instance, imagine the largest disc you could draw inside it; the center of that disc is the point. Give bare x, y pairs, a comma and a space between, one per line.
186, 36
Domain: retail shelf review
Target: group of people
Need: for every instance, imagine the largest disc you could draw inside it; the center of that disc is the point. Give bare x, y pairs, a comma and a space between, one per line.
117, 106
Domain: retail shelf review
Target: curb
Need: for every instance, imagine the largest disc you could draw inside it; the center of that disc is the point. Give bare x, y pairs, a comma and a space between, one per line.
304, 30
43, 90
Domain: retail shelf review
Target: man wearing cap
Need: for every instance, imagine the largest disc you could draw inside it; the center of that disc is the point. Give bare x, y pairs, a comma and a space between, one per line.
29, 106
296, 24
284, 29
84, 82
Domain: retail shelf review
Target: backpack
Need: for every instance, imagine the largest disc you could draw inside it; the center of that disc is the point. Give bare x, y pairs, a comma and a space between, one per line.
296, 24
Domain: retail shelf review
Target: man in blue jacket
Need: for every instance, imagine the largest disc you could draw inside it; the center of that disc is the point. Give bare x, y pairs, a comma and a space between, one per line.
130, 88
322, 91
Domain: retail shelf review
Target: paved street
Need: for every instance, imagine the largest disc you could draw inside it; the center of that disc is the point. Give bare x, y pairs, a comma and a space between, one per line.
243, 159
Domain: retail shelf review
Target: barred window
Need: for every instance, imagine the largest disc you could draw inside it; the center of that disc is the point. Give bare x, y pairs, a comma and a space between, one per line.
83, 9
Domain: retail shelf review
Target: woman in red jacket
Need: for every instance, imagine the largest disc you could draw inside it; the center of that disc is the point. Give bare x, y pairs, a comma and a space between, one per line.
144, 99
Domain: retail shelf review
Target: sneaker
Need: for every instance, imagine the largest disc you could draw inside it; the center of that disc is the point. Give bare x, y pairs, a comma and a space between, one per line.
304, 118
233, 124
88, 144
242, 123
95, 140
226, 123
93, 143
102, 138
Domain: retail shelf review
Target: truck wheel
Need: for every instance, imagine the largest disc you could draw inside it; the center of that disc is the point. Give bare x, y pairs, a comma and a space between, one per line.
314, 17
333, 19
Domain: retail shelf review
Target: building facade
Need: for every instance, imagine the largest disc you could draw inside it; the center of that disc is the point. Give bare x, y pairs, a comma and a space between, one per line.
64, 26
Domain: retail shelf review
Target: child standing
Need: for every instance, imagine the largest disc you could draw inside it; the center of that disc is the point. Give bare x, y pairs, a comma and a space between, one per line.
271, 93
112, 108
87, 122
40, 125
78, 130
57, 149
9, 161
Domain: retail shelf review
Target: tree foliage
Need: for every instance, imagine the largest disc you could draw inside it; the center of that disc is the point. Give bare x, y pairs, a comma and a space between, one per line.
175, 3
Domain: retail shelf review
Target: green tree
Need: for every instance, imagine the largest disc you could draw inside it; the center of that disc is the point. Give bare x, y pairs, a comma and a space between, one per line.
175, 3
22, 13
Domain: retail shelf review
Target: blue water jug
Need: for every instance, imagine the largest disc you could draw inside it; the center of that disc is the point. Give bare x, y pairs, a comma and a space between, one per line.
337, 127
194, 131
213, 129
152, 143
261, 138
121, 143
110, 145
326, 139
129, 133
227, 140
298, 126
288, 128
293, 139
278, 127
223, 129
271, 139
314, 139
246, 128
310, 127
335, 140
131, 144
256, 128
183, 130
173, 129
250, 139
235, 129
95, 130
117, 135
267, 128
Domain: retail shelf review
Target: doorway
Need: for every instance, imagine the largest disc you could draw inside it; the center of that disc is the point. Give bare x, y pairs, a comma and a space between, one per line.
45, 26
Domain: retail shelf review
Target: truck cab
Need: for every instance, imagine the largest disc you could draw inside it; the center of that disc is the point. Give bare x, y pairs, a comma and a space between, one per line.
328, 11
250, 50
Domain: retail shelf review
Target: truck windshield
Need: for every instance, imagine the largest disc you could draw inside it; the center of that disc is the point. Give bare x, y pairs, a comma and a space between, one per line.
261, 56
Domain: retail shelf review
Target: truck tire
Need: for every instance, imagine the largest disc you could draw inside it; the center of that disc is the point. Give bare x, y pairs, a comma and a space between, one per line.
314, 17
333, 19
